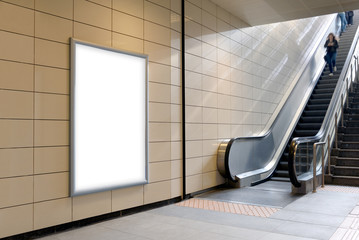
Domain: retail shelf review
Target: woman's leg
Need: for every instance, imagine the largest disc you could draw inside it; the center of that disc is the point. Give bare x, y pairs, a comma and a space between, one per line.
330, 61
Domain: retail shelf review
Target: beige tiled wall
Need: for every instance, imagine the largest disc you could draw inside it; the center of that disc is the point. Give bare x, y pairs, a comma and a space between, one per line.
34, 104
236, 77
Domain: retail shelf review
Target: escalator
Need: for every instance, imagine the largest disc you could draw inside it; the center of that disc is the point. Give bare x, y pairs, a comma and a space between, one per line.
313, 115
246, 161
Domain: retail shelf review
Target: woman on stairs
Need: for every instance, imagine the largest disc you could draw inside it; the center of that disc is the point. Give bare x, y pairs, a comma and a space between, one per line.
331, 44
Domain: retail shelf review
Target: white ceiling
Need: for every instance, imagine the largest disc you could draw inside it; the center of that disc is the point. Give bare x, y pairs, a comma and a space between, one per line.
257, 12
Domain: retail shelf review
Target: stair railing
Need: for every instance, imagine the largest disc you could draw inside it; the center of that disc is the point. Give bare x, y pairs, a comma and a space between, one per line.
301, 171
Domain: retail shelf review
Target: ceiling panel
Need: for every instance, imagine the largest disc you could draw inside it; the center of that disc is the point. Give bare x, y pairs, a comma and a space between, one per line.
258, 12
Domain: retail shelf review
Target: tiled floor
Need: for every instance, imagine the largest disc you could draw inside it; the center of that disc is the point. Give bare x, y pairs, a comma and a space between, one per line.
327, 214
229, 207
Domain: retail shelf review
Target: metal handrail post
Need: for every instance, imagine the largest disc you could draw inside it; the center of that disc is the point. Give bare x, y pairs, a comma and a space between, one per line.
323, 166
314, 167
336, 130
329, 154
315, 164
342, 107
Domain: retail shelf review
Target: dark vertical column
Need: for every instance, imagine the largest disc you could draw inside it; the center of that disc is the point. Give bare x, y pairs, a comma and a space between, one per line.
183, 98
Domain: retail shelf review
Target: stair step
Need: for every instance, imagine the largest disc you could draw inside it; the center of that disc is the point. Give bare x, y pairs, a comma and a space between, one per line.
349, 117
351, 123
327, 86
318, 107
311, 119
321, 95
351, 153
309, 126
348, 145
305, 133
323, 90
319, 101
314, 113
348, 130
281, 173
345, 180
340, 161
280, 179
345, 171
349, 137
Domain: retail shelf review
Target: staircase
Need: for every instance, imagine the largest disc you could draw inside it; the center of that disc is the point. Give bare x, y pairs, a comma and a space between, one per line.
345, 158
316, 108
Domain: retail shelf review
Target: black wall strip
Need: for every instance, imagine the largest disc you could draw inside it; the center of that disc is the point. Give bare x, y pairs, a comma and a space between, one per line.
183, 99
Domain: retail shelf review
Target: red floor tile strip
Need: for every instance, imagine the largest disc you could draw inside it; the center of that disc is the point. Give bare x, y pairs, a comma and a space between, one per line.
236, 208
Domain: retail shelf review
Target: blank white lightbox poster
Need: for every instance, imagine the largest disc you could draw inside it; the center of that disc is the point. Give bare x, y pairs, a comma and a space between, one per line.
109, 133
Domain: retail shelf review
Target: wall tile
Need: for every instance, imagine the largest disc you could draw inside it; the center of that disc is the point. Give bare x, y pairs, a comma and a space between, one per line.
51, 186
127, 43
194, 183
193, 12
194, 114
160, 171
16, 133
51, 133
52, 80
91, 205
193, 97
209, 21
160, 112
194, 149
52, 28
155, 192
132, 7
16, 76
16, 104
193, 29
158, 53
176, 150
210, 163
159, 132
176, 113
157, 33
210, 7
157, 14
193, 166
51, 213
163, 3
9, 220
194, 131
210, 131
10, 20
160, 151
159, 93
92, 34
51, 106
176, 22
175, 40
52, 54
17, 47
62, 9
212, 179
176, 132
176, 6
24, 3
51, 159
16, 191
125, 198
176, 187
159, 73
92, 14
16, 162
127, 24
176, 169
210, 147
105, 3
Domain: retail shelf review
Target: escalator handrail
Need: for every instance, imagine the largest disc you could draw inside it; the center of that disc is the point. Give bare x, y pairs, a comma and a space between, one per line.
328, 116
